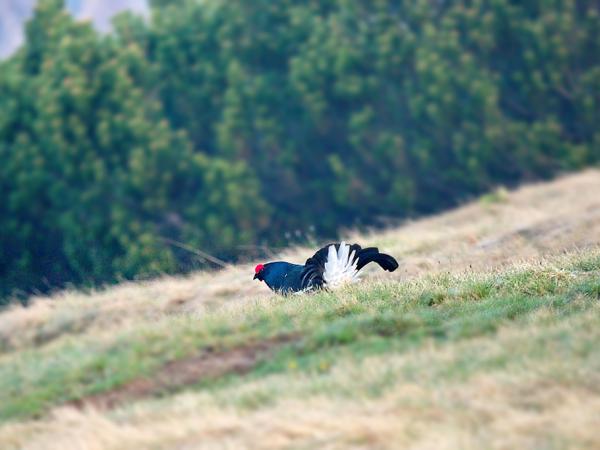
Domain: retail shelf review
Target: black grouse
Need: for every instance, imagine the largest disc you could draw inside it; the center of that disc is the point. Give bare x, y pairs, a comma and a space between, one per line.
333, 265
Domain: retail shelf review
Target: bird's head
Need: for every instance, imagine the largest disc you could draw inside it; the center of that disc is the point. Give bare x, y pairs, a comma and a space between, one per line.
259, 272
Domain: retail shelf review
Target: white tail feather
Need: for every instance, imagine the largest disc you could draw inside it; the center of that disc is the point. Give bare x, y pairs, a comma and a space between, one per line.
340, 267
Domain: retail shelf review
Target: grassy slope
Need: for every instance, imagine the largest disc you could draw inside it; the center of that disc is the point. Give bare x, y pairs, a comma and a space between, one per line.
486, 337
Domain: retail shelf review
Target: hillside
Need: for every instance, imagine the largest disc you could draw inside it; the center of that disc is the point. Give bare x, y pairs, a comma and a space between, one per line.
486, 337
117, 146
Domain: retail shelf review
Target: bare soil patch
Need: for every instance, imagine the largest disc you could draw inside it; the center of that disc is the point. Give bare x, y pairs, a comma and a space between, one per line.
211, 363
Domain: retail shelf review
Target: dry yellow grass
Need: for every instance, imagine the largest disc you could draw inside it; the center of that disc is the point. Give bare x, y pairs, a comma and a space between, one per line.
523, 404
518, 397
534, 221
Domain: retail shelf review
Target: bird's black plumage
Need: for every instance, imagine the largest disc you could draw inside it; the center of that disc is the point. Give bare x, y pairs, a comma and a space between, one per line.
285, 277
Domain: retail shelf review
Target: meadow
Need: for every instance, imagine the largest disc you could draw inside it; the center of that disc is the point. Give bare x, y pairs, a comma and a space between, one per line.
485, 337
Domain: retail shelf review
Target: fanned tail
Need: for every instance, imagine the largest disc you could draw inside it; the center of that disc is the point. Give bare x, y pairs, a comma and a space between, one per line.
341, 265
337, 264
371, 254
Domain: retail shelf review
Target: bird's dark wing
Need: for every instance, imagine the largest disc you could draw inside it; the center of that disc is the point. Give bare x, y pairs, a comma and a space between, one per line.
313, 275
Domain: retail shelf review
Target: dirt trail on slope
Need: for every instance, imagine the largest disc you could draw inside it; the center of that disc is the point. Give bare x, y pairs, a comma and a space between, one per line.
209, 364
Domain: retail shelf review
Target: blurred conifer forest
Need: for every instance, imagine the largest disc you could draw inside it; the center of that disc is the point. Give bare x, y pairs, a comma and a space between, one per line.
227, 124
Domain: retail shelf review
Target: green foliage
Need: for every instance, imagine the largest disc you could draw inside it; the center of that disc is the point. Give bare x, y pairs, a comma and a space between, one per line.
220, 124
94, 180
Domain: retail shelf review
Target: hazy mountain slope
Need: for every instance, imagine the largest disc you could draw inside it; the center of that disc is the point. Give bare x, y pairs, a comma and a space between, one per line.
486, 337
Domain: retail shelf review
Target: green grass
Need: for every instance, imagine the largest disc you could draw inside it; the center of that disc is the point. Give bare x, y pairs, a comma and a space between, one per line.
358, 322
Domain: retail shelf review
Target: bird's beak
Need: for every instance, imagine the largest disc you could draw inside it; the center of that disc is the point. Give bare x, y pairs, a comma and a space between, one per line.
255, 276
